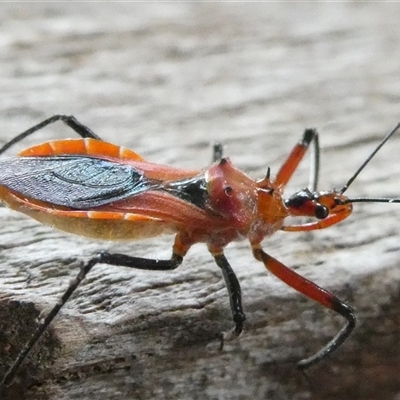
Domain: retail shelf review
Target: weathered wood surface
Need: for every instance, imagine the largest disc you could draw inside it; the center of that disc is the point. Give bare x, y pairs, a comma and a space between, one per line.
167, 80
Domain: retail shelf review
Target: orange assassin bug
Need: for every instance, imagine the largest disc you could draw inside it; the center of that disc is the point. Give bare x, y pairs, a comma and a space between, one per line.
92, 188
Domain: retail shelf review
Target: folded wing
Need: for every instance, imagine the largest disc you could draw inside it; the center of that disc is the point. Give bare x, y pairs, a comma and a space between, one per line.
78, 182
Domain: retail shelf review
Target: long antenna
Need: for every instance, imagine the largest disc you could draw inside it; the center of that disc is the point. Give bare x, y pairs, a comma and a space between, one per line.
385, 139
370, 200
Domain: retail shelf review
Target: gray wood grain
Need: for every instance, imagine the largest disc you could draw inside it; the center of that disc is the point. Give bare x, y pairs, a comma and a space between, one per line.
167, 80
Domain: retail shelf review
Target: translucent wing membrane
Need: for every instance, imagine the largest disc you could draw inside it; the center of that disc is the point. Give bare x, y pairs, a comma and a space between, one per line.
78, 182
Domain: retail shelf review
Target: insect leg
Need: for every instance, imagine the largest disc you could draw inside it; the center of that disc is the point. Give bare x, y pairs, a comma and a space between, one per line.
235, 296
315, 163
218, 151
316, 293
69, 120
297, 154
104, 258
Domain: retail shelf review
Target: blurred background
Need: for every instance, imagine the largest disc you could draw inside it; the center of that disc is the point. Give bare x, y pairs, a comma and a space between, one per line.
168, 80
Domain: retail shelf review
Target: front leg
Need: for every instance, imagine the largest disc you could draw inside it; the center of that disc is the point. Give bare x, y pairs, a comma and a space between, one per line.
297, 154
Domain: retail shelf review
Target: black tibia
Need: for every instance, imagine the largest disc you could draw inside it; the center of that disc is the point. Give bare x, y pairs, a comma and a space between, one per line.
124, 260
105, 258
235, 296
69, 120
348, 313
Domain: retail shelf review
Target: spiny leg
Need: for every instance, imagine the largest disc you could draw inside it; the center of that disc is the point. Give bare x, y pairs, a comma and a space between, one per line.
235, 296
297, 154
69, 120
104, 258
316, 293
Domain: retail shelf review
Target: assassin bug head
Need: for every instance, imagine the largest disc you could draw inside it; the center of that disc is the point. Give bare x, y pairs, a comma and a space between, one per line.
333, 206
306, 203
320, 205
328, 207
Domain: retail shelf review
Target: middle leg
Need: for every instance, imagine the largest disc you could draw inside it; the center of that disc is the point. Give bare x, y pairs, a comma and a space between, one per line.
235, 296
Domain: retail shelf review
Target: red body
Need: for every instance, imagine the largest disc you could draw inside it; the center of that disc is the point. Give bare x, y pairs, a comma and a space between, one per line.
236, 207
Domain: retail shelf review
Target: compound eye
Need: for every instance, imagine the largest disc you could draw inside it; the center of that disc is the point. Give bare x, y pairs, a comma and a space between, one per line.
321, 212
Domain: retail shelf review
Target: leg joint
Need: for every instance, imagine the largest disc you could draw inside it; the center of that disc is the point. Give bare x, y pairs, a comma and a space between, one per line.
308, 136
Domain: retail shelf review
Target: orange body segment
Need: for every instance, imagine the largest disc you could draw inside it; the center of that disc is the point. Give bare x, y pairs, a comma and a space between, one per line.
87, 146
